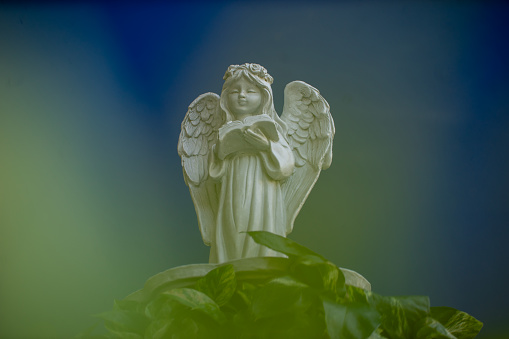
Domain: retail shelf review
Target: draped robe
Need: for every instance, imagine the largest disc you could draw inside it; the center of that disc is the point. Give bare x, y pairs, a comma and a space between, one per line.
250, 199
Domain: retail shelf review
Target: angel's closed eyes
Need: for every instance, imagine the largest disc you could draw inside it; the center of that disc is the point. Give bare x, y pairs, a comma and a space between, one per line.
247, 168
244, 98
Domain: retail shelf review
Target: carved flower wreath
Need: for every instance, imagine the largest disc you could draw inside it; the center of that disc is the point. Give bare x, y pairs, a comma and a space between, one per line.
255, 69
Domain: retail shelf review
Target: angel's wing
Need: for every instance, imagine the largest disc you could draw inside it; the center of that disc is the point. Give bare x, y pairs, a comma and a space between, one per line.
310, 134
198, 134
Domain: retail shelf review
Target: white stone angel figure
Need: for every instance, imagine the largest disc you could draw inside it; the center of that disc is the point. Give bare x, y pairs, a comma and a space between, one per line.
248, 169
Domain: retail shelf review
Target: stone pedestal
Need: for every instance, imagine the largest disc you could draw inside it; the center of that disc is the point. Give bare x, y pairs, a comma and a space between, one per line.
248, 269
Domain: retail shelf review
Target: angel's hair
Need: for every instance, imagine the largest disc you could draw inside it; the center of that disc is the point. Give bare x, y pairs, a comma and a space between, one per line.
257, 75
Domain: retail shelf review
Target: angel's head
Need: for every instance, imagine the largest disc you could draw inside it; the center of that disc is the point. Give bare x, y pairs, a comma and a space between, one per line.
246, 91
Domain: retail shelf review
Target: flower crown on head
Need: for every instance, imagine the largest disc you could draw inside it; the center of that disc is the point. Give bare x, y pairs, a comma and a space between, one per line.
254, 69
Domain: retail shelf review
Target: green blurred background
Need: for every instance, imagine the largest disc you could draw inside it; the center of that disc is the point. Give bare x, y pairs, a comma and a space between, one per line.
92, 199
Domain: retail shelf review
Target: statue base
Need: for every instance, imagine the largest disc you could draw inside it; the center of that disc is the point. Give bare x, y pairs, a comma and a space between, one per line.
248, 269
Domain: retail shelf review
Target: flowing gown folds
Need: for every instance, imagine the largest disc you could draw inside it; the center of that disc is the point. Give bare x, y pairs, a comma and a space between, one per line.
250, 199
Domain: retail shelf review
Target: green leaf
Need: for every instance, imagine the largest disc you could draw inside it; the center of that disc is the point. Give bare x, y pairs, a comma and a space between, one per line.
241, 299
324, 276
124, 321
377, 334
429, 328
158, 329
287, 326
187, 328
153, 308
351, 321
128, 305
462, 325
357, 294
219, 284
164, 306
197, 300
284, 245
279, 296
400, 313
125, 335
310, 267
88, 332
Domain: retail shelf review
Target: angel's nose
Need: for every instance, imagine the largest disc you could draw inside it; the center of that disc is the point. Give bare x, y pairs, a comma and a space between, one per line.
242, 94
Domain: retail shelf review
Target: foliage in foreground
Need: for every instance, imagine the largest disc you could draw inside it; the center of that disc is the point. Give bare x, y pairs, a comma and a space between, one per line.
312, 301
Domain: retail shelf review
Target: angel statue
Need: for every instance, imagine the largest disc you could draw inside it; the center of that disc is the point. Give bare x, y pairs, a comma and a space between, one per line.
247, 168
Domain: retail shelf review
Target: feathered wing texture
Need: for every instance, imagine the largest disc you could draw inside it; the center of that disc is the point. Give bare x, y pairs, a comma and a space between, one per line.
310, 134
198, 134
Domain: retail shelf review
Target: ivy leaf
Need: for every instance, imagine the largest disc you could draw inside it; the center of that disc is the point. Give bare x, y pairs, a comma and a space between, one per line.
400, 313
128, 305
219, 284
241, 299
158, 329
197, 300
187, 328
309, 266
357, 294
284, 245
324, 276
125, 335
281, 295
88, 333
154, 307
126, 317
462, 325
350, 321
376, 334
121, 321
163, 306
298, 325
429, 328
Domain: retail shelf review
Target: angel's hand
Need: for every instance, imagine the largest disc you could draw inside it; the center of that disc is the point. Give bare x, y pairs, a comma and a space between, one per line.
257, 139
219, 149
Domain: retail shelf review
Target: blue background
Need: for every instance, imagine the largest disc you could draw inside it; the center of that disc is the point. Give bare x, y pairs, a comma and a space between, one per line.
92, 199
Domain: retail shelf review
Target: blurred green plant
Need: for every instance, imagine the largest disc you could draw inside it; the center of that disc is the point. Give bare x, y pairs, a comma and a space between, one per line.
311, 301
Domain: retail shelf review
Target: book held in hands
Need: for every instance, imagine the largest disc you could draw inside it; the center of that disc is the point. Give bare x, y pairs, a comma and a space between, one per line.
231, 134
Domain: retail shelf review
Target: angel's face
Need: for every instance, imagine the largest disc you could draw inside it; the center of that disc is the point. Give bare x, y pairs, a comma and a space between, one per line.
244, 98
